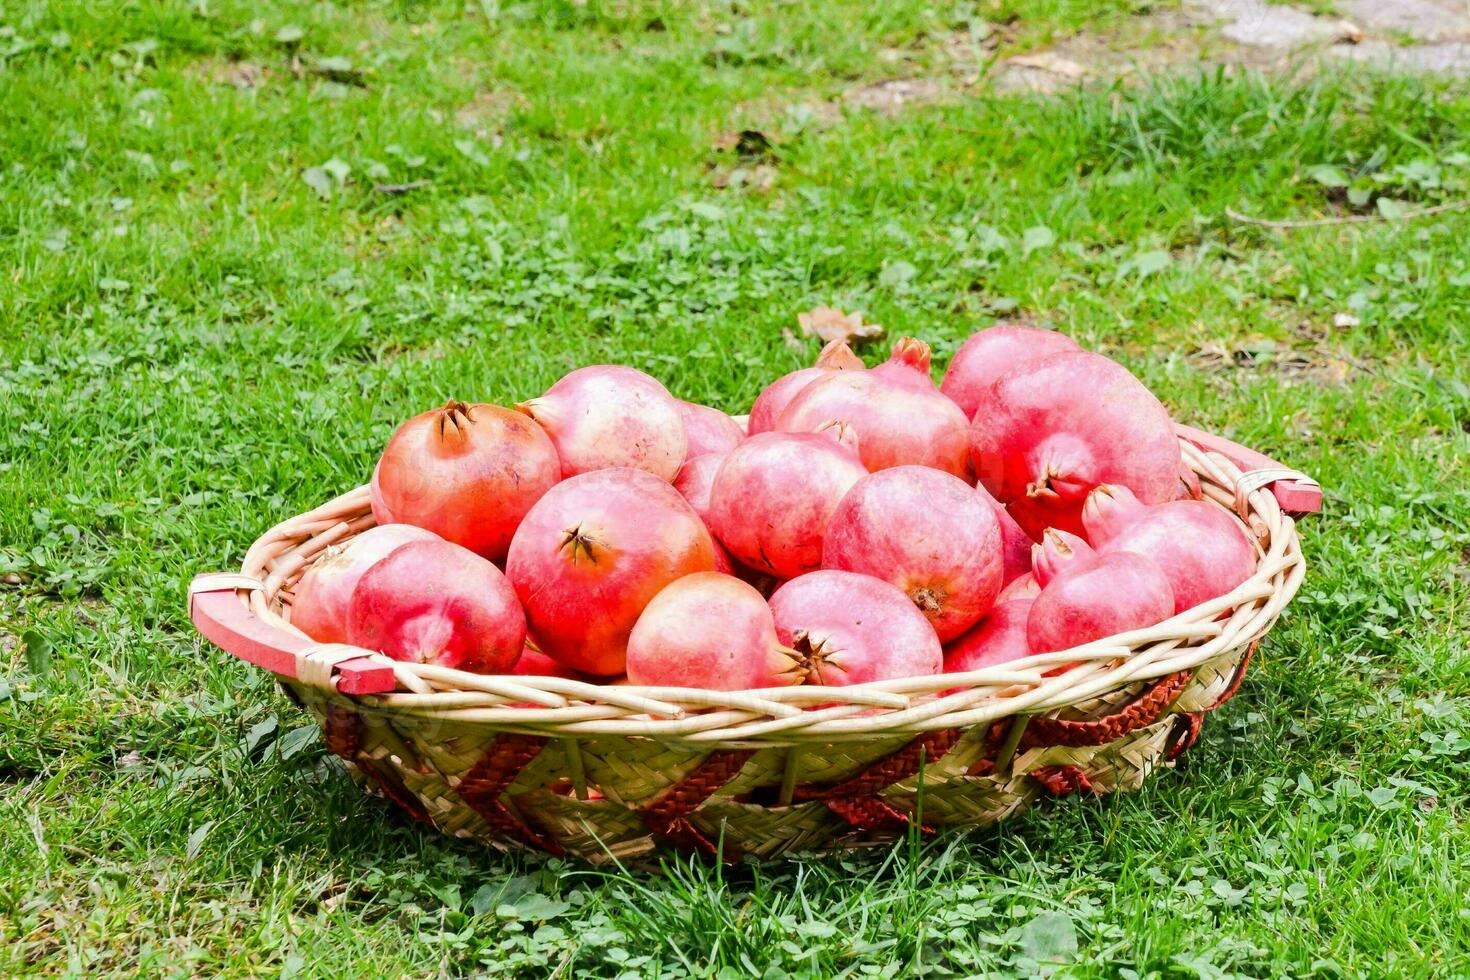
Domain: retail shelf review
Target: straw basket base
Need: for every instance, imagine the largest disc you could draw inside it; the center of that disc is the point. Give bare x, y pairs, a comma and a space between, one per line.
730, 801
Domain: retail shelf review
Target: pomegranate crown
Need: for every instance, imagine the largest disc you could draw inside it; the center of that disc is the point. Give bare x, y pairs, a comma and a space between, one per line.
1109, 506
837, 356
841, 433
1056, 551
453, 420
911, 352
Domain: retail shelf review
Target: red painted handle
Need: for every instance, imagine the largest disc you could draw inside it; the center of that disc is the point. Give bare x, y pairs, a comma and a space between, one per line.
230, 625
1295, 497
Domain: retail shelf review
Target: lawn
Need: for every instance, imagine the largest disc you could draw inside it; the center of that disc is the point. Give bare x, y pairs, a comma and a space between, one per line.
239, 241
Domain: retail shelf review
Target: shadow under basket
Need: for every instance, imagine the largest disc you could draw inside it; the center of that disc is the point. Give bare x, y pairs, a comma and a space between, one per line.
603, 772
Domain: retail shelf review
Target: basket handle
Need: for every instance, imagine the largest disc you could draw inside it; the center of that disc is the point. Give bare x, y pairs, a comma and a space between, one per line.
230, 624
1297, 493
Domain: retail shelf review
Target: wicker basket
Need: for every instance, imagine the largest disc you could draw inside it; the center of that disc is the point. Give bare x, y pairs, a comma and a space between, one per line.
613, 771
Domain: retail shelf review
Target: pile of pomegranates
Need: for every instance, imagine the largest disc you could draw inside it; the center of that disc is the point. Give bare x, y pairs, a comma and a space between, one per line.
862, 525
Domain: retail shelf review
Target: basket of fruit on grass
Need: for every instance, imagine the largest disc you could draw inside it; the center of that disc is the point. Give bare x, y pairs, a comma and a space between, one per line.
607, 620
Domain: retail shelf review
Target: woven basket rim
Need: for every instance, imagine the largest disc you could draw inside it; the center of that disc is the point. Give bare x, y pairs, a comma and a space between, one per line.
791, 715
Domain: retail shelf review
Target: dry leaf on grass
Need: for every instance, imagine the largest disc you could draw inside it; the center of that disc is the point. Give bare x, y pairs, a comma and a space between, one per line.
832, 324
789, 339
1048, 62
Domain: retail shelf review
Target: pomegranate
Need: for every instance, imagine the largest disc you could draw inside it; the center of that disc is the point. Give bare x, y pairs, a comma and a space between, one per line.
774, 494
466, 472
771, 402
534, 663
999, 638
1045, 436
710, 631
847, 628
898, 422
695, 481
1025, 587
1201, 548
1055, 552
1096, 596
927, 532
993, 354
592, 553
608, 416
708, 430
1015, 544
381, 514
907, 365
319, 608
435, 602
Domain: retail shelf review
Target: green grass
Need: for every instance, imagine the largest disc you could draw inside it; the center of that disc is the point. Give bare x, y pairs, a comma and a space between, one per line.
196, 341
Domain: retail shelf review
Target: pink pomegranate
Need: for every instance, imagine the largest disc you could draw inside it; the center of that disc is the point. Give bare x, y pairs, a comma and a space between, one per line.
608, 416
995, 353
319, 608
695, 481
1025, 587
848, 628
1202, 549
592, 553
1097, 596
771, 402
466, 472
710, 631
927, 532
1044, 436
435, 602
999, 638
775, 493
898, 422
1057, 550
709, 430
1015, 544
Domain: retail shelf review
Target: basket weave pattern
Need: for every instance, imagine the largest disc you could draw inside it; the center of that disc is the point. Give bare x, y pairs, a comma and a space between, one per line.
613, 771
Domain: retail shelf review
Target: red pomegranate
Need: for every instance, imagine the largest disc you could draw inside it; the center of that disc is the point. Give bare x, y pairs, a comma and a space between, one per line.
591, 555
1044, 436
848, 628
771, 402
534, 663
608, 416
774, 494
695, 481
709, 430
898, 422
319, 608
928, 533
466, 472
435, 602
1202, 549
1097, 596
710, 631
1015, 544
995, 353
999, 638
